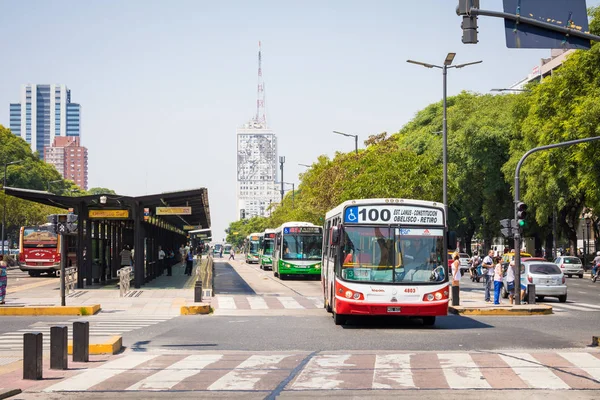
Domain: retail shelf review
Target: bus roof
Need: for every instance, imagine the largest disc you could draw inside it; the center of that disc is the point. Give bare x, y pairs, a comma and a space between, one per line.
340, 208
295, 224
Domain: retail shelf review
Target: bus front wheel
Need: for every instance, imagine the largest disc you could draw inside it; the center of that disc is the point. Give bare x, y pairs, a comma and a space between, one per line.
428, 321
339, 319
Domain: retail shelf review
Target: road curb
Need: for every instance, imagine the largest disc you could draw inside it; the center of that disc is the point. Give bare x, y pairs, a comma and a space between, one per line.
111, 346
198, 308
497, 311
7, 311
6, 393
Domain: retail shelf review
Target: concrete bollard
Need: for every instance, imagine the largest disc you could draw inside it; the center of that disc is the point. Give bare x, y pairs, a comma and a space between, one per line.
198, 292
81, 341
58, 347
32, 355
455, 295
531, 293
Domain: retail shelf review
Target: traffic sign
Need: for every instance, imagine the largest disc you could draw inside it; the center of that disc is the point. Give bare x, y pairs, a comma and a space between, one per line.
562, 13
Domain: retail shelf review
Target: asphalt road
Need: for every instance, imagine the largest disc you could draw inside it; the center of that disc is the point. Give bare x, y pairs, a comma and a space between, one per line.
17, 278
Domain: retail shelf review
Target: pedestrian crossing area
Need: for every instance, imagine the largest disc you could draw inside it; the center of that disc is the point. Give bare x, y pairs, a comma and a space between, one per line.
100, 325
266, 303
565, 307
299, 371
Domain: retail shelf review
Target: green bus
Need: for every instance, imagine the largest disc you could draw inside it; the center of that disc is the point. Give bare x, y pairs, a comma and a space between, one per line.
252, 247
266, 250
298, 250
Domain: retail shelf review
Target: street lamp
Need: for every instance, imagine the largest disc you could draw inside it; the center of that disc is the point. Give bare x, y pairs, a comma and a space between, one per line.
6, 164
444, 68
305, 165
293, 190
349, 135
510, 90
588, 220
51, 182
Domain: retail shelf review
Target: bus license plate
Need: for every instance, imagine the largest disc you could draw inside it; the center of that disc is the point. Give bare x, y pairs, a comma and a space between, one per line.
393, 309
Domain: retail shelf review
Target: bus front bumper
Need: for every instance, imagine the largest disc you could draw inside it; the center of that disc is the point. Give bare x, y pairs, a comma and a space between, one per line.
430, 308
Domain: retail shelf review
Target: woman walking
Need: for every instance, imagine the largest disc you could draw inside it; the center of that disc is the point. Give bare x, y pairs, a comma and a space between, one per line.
3, 278
497, 280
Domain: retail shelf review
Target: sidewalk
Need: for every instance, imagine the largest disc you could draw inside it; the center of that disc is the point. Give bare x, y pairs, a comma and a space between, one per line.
162, 296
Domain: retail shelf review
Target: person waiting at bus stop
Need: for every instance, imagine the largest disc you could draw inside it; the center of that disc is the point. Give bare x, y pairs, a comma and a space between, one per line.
161, 260
126, 257
189, 260
3, 278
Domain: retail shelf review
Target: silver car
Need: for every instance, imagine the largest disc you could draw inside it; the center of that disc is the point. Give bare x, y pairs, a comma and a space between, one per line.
570, 266
548, 279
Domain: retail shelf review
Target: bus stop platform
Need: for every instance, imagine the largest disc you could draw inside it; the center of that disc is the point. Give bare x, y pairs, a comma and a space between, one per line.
473, 304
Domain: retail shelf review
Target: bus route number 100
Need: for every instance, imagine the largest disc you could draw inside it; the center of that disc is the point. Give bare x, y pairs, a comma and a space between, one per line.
374, 214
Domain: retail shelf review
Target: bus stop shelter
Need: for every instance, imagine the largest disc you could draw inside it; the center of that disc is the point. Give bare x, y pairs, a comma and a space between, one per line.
107, 223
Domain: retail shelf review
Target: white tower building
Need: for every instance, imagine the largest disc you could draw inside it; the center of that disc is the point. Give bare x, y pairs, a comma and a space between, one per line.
256, 161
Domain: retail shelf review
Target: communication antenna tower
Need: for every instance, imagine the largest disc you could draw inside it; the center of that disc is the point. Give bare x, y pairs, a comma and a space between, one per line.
260, 117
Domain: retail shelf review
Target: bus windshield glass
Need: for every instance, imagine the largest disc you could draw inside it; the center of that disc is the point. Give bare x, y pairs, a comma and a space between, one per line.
393, 255
39, 237
254, 246
302, 246
268, 246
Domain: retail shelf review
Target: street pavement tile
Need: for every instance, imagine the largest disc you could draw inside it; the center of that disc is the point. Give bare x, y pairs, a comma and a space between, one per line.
130, 377
575, 377
498, 374
263, 371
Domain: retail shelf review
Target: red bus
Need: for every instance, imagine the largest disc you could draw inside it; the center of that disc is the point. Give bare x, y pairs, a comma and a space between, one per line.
40, 250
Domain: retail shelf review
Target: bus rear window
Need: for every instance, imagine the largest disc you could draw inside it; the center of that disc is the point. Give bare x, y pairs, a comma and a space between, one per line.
38, 238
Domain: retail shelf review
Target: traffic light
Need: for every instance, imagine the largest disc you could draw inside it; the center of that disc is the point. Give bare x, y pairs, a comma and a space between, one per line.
521, 214
469, 22
506, 227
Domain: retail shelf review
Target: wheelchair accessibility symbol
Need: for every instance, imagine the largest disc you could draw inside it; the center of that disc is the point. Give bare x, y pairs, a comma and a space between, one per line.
351, 214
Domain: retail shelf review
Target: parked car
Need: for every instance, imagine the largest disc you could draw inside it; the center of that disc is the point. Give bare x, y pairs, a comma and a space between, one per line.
570, 265
547, 277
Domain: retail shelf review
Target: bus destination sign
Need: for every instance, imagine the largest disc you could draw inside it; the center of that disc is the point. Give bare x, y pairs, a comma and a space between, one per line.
302, 229
393, 214
269, 236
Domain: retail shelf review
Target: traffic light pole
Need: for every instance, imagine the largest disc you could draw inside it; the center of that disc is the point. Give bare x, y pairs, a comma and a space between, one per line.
517, 200
63, 265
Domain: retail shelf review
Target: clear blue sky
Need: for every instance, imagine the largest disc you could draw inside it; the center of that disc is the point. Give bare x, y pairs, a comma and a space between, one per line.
164, 84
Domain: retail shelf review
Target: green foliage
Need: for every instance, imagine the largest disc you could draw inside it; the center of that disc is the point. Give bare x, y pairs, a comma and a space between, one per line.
99, 190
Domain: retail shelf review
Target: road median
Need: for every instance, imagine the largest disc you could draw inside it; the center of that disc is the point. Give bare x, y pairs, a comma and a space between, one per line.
8, 310
196, 309
498, 310
102, 345
6, 393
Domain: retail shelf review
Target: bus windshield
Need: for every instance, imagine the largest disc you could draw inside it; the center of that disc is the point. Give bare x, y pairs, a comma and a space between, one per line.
302, 247
253, 247
393, 255
268, 246
39, 237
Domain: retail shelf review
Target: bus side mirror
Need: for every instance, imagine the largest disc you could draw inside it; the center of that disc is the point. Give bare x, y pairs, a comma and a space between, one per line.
335, 236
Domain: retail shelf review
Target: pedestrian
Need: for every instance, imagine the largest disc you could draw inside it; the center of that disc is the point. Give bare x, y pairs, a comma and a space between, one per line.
497, 280
231, 254
488, 274
3, 278
182, 254
126, 257
189, 262
456, 269
161, 260
510, 282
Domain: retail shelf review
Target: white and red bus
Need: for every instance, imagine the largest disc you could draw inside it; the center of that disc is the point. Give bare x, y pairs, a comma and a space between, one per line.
385, 257
40, 250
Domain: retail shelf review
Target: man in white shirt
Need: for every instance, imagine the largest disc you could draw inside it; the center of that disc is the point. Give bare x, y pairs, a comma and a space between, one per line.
488, 274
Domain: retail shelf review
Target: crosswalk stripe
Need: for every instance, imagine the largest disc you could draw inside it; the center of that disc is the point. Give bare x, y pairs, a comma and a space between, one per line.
534, 374
289, 302
570, 307
257, 303
320, 371
590, 305
97, 375
392, 371
243, 377
461, 371
585, 362
175, 373
227, 303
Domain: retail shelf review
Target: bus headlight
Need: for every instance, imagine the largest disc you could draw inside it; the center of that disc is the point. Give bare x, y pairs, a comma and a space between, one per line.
318, 266
430, 297
438, 296
348, 294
